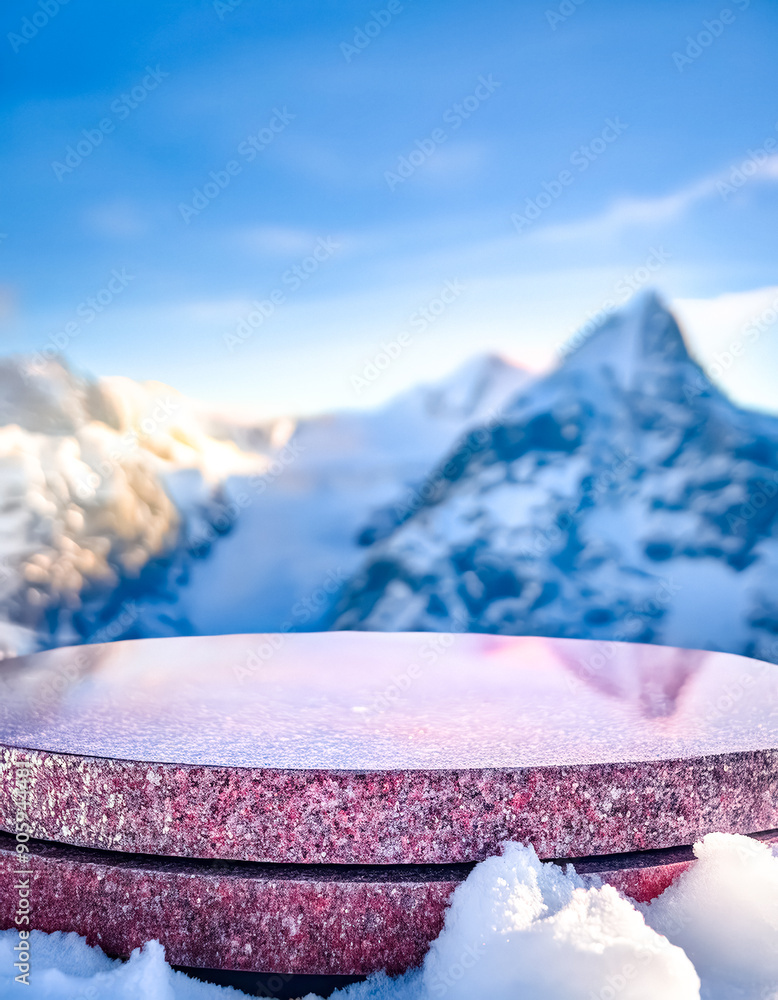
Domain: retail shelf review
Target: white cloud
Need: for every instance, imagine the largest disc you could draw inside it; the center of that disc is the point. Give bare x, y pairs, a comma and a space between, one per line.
625, 213
120, 219
275, 241
450, 164
713, 323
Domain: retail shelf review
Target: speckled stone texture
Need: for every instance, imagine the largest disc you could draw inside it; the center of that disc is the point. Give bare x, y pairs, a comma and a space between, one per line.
224, 915
372, 748
328, 919
416, 817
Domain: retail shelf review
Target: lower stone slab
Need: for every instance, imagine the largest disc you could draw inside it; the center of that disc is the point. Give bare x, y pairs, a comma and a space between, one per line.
293, 919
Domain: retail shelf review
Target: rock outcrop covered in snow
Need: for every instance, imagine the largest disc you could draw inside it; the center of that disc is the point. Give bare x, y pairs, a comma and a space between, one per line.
100, 484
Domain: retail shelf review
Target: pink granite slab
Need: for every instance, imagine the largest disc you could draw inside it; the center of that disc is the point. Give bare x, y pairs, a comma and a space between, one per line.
375, 748
326, 919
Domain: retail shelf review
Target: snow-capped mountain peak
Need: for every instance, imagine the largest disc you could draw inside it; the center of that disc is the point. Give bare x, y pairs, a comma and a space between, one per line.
481, 383
620, 496
642, 339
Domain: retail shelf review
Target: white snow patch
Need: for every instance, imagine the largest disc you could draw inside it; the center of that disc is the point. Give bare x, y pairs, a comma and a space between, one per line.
723, 911
518, 927
64, 967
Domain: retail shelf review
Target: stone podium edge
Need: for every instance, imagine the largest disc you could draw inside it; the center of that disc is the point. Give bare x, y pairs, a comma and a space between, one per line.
389, 817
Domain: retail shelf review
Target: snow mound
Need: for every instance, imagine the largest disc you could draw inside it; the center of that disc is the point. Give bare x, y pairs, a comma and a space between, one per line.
723, 912
517, 929
66, 968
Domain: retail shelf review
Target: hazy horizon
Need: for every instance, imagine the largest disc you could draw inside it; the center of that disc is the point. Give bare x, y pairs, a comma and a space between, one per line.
710, 328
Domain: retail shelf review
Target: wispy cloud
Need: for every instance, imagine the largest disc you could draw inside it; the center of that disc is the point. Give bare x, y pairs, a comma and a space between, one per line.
274, 241
118, 219
626, 213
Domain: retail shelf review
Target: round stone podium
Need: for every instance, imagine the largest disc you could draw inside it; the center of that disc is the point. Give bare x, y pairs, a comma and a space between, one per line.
306, 803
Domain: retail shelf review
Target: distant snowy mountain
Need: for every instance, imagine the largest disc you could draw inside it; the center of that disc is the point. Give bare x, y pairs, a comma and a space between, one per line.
127, 510
619, 497
101, 485
294, 530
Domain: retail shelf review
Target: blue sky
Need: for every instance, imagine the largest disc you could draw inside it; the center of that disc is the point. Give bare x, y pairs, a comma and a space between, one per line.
481, 105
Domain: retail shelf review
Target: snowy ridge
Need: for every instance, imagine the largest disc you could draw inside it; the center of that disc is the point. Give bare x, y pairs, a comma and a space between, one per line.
128, 510
620, 497
100, 484
301, 521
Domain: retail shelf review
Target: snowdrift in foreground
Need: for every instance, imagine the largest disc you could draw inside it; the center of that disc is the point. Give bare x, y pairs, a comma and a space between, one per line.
517, 929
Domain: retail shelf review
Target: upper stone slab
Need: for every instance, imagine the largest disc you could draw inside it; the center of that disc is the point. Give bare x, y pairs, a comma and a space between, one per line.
363, 701
375, 748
